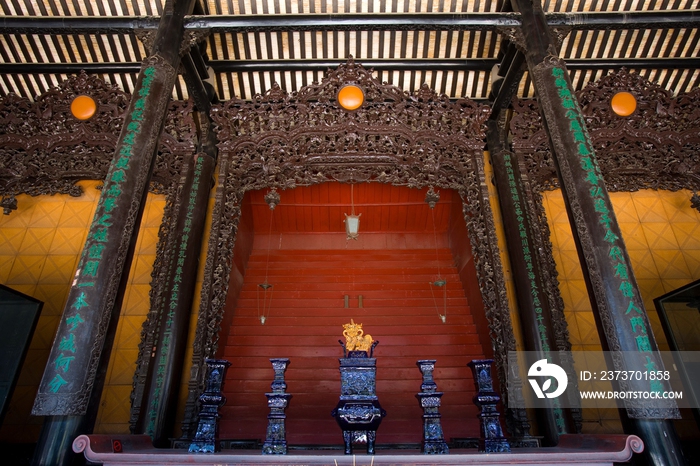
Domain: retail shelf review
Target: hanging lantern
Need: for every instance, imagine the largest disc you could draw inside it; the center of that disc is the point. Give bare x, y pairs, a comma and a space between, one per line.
352, 221
431, 198
265, 303
352, 226
264, 297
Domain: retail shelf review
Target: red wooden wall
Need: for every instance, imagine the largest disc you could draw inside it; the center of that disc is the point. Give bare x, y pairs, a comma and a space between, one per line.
312, 267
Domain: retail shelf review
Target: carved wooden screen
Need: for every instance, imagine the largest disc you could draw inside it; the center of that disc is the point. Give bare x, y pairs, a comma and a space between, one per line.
656, 147
285, 140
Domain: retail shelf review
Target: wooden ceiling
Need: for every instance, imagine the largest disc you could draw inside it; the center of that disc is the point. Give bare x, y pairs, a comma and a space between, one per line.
450, 45
321, 208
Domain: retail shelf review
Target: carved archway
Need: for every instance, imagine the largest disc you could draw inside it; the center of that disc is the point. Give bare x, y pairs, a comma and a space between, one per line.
282, 141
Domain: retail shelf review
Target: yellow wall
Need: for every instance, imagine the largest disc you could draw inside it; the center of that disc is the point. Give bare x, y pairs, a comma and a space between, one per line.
662, 234
40, 244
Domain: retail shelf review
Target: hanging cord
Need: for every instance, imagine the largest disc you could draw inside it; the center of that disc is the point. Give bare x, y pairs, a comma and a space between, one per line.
352, 199
269, 242
272, 199
431, 197
437, 256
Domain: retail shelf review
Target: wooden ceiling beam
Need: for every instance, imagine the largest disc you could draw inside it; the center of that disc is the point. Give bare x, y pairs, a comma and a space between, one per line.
358, 22
241, 66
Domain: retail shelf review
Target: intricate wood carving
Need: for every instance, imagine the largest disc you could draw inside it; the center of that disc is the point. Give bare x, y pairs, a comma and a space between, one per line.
656, 147
282, 140
44, 149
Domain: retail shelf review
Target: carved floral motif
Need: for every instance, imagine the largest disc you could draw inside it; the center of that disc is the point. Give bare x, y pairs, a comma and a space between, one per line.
657, 147
44, 149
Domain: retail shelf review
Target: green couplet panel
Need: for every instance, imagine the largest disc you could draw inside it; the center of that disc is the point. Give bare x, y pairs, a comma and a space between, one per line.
19, 314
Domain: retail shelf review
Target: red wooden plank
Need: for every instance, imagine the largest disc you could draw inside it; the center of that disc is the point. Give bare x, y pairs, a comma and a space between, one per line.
306, 322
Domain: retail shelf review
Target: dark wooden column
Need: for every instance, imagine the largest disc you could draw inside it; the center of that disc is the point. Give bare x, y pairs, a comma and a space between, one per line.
157, 414
533, 304
619, 309
72, 382
155, 402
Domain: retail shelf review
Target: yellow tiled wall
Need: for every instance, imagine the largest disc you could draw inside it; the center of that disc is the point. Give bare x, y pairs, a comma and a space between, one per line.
113, 415
40, 244
662, 235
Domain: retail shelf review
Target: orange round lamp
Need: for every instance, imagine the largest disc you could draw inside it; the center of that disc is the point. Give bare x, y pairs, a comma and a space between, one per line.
83, 107
623, 104
351, 97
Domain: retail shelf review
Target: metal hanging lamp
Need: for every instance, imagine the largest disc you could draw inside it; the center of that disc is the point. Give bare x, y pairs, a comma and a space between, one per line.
352, 221
431, 198
265, 288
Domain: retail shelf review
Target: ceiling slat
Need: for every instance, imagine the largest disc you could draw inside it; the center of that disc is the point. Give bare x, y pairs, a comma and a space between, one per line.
254, 43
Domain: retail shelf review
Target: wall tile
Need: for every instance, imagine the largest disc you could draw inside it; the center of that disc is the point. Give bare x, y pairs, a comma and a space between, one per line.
148, 240
587, 328
6, 263
578, 294
643, 263
90, 191
53, 296
11, 240
115, 405
650, 206
37, 241
660, 235
45, 332
671, 284
47, 213
123, 363
21, 217
671, 264
26, 270
556, 210
141, 269
28, 289
33, 368
58, 269
692, 260
137, 300
650, 288
68, 240
677, 206
624, 207
687, 235
569, 266
633, 235
77, 214
561, 234
129, 332
153, 215
572, 323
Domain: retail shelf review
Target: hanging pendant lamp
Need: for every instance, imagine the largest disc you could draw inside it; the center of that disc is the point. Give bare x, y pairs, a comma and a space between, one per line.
352, 221
265, 289
431, 198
